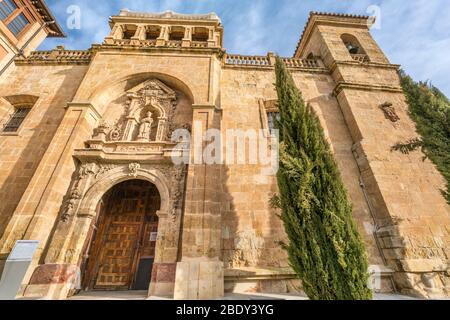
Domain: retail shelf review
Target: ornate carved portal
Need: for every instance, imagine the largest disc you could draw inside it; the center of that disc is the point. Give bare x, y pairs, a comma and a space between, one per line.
92, 173
148, 110
146, 124
73, 235
137, 146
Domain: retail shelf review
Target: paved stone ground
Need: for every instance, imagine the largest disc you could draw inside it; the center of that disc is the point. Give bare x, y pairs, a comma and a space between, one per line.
142, 295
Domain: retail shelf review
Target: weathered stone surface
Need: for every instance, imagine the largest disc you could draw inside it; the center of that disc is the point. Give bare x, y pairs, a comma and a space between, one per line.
103, 116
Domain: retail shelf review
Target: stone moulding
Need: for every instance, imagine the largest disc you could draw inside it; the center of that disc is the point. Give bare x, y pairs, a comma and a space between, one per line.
212, 16
377, 65
57, 56
241, 274
268, 62
364, 86
93, 172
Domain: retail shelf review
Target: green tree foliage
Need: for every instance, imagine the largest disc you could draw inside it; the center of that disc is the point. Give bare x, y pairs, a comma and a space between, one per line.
430, 110
325, 249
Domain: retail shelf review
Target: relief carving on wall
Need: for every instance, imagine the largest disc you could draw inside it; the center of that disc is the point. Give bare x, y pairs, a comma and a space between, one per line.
247, 251
177, 190
147, 117
389, 112
89, 173
85, 171
134, 167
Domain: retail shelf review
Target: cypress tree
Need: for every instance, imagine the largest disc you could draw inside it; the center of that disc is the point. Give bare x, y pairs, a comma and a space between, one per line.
325, 249
429, 108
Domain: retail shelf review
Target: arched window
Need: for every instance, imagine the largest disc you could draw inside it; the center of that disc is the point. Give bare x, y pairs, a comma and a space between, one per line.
20, 107
153, 32
352, 44
200, 34
354, 48
129, 31
176, 33
311, 56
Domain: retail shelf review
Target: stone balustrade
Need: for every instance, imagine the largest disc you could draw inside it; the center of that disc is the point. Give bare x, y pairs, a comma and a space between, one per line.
301, 63
59, 55
269, 61
173, 44
199, 44
236, 59
363, 58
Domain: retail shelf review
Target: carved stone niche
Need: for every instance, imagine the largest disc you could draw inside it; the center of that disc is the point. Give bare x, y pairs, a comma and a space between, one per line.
145, 124
389, 112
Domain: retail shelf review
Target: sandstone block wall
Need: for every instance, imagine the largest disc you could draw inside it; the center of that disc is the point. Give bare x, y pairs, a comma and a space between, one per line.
52, 88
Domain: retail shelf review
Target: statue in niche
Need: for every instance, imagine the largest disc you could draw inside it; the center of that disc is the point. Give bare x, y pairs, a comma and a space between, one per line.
137, 123
145, 128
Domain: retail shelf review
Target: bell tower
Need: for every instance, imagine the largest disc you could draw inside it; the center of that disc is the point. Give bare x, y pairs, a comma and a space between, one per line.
168, 29
403, 191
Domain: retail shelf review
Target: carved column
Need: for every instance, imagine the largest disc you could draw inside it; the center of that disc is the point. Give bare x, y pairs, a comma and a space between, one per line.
212, 38
116, 34
129, 129
139, 35
187, 37
160, 135
164, 36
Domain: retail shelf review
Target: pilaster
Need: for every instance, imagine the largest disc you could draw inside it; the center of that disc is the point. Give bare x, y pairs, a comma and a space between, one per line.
40, 205
199, 275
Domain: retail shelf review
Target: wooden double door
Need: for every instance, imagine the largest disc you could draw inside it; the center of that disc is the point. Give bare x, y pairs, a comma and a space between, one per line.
122, 249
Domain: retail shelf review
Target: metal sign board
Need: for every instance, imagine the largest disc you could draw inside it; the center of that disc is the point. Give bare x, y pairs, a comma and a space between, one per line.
153, 236
23, 250
16, 267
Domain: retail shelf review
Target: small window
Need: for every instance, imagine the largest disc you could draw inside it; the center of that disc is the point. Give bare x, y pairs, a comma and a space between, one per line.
272, 118
153, 33
127, 35
16, 119
352, 44
7, 7
18, 24
200, 34
176, 34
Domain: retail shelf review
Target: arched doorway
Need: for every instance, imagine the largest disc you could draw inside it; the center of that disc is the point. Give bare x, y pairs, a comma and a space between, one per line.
122, 250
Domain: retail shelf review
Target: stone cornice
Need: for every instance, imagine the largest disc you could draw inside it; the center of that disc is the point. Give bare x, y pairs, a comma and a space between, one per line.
57, 56
336, 64
160, 49
60, 56
87, 105
169, 16
212, 107
364, 86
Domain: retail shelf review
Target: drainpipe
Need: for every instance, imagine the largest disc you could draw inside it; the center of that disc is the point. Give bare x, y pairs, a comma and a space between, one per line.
21, 50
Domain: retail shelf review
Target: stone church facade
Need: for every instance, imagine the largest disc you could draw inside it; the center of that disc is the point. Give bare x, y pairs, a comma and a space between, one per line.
87, 161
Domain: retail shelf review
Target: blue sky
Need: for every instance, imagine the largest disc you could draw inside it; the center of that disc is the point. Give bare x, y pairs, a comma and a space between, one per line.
415, 34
